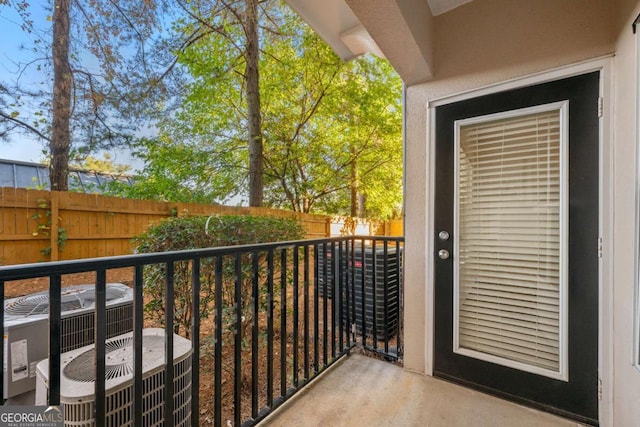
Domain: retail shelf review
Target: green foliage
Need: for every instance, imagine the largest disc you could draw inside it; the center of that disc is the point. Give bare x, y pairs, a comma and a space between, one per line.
179, 172
44, 221
190, 233
176, 72
324, 122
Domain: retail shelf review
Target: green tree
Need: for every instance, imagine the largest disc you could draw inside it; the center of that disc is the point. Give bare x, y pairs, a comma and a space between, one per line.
337, 127
236, 24
328, 127
95, 53
178, 171
60, 142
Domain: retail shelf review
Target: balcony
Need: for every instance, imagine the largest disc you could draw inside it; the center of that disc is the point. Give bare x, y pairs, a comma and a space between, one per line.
252, 325
361, 391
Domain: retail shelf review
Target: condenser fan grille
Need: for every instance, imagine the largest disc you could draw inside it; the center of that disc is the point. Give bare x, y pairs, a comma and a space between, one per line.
72, 298
118, 358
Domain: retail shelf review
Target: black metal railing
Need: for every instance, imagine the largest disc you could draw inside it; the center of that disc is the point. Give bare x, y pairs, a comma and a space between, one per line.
263, 320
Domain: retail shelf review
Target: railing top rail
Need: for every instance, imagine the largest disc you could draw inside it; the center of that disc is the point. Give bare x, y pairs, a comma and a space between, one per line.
27, 271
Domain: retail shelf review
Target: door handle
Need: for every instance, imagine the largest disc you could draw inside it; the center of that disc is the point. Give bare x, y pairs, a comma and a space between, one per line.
443, 254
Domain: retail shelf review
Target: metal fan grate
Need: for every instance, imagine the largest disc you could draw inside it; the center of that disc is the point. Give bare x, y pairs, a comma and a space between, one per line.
118, 358
72, 298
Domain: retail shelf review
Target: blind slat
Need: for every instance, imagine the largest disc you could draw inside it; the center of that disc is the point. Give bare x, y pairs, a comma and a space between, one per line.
509, 238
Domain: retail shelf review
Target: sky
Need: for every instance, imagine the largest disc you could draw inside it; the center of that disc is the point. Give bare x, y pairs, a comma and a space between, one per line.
23, 147
20, 147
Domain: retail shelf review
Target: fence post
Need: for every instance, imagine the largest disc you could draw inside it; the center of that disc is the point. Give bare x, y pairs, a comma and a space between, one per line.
53, 236
327, 227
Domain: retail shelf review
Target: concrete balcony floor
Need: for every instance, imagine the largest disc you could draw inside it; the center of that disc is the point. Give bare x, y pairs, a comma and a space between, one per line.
361, 391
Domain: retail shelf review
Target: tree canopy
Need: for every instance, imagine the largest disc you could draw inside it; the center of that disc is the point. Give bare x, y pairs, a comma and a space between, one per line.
235, 95
331, 130
81, 88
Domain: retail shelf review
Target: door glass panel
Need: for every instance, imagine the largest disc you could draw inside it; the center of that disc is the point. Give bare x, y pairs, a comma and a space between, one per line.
509, 276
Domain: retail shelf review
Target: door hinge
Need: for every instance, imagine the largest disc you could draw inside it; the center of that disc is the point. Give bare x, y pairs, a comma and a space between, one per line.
599, 389
600, 106
600, 247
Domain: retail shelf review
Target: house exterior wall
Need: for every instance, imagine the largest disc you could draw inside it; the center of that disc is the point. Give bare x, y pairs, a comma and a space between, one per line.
489, 42
480, 44
626, 377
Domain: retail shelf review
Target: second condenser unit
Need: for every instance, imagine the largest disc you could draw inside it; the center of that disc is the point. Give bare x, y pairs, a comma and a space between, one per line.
379, 293
26, 328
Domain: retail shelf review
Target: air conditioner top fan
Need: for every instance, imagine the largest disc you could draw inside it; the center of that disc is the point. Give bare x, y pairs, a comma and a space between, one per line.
72, 298
79, 370
118, 358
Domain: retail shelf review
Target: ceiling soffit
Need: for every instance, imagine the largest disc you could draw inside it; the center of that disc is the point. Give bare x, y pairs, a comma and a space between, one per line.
399, 30
438, 7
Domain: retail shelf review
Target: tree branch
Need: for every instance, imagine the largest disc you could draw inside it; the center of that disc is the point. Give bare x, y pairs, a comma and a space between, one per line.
25, 125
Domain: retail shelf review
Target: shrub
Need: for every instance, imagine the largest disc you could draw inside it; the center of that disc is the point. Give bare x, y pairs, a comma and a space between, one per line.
204, 232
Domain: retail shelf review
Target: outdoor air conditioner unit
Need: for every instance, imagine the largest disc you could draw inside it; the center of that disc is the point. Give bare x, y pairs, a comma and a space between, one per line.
77, 381
26, 328
386, 322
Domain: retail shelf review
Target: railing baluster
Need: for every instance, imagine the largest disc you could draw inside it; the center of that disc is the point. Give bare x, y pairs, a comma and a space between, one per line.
340, 296
316, 295
254, 334
54, 339
168, 340
385, 254
138, 324
270, 328
195, 342
325, 311
296, 309
100, 350
352, 272
399, 259
363, 295
347, 302
283, 322
307, 248
237, 350
374, 290
217, 356
333, 294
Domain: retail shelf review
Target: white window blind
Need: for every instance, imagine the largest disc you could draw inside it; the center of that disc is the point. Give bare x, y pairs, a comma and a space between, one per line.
509, 272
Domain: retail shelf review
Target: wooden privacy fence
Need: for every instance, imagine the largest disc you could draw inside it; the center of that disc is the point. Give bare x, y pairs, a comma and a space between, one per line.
50, 225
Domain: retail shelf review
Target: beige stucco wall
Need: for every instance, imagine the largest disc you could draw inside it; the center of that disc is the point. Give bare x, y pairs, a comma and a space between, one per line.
489, 42
482, 43
626, 378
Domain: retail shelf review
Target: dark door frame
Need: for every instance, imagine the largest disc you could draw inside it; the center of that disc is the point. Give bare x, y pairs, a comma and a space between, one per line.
601, 65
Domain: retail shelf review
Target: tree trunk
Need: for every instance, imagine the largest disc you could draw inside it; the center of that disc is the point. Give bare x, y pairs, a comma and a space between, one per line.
361, 202
61, 106
353, 185
256, 168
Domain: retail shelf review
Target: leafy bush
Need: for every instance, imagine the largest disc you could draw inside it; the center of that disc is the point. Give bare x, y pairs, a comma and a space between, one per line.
221, 230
